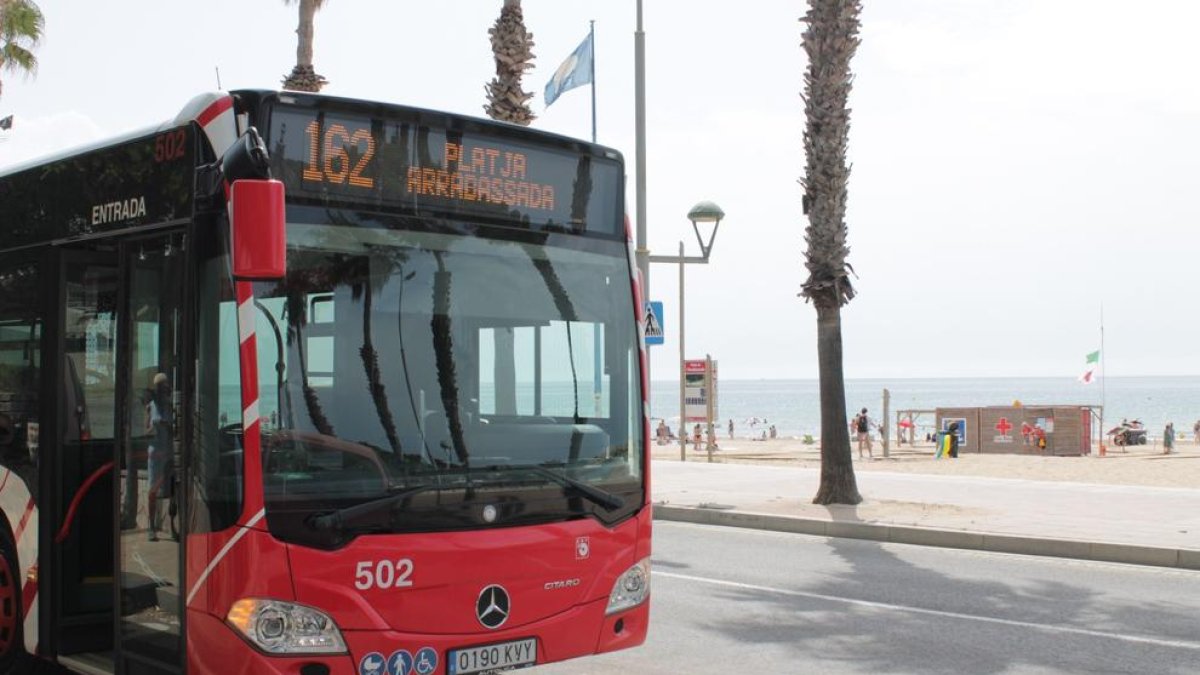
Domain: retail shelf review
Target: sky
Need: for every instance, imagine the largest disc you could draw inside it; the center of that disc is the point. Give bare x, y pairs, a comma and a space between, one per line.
1021, 168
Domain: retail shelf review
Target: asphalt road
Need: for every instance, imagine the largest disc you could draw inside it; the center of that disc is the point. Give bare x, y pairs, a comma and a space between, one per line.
743, 601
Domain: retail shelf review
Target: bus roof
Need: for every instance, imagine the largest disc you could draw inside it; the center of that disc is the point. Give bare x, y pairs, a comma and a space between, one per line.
190, 111
538, 135
193, 108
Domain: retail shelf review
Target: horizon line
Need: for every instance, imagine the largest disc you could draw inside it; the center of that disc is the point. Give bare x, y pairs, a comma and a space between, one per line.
950, 377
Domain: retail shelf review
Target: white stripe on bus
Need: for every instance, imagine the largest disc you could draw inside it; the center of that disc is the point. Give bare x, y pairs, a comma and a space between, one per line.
250, 415
246, 319
222, 553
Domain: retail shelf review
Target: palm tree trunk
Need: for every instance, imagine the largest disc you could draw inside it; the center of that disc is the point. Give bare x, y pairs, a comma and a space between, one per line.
830, 42
838, 485
312, 401
303, 76
304, 32
370, 359
443, 347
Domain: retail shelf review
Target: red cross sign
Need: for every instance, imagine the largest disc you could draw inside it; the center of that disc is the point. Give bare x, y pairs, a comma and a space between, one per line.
1003, 426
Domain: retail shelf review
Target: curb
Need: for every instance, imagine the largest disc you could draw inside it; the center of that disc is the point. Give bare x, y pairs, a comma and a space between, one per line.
923, 536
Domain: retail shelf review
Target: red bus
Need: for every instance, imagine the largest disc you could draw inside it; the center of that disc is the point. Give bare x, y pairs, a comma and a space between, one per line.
308, 385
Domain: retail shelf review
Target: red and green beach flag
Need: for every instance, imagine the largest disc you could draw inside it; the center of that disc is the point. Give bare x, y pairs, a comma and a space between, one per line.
1089, 373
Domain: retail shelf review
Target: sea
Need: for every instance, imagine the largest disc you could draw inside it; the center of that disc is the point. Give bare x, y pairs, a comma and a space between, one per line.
793, 406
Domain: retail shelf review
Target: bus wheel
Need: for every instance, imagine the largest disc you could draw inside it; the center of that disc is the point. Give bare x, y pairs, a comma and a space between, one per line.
11, 645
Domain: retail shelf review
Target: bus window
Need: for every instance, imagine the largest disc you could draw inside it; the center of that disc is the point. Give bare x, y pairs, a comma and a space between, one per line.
217, 457
553, 370
572, 386
20, 356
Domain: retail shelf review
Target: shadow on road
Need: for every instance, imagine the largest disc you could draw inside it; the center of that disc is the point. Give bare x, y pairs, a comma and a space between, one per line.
887, 640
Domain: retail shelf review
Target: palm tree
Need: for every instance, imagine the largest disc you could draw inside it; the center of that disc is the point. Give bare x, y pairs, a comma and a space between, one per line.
830, 42
21, 26
303, 77
512, 46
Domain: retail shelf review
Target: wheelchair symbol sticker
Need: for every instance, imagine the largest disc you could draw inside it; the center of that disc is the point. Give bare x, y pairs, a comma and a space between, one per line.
426, 661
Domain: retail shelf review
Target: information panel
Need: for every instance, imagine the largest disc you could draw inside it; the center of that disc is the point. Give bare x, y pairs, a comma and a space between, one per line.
456, 169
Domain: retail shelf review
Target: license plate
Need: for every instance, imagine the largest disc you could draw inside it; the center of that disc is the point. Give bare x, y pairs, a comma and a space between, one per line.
491, 657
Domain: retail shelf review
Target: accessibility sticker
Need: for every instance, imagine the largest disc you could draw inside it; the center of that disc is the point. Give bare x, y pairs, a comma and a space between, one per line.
372, 664
400, 663
426, 661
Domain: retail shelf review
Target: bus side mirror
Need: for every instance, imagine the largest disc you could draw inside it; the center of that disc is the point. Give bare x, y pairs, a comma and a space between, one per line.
259, 229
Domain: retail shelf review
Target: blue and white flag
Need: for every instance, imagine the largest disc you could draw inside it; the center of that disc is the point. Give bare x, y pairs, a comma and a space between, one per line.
574, 72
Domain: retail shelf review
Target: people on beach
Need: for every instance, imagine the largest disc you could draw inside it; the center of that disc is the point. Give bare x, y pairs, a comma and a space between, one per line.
774, 433
861, 426
949, 444
1169, 438
662, 434
696, 438
731, 427
1196, 432
1026, 433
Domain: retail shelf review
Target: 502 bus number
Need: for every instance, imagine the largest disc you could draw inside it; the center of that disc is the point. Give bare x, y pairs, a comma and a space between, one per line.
383, 574
170, 145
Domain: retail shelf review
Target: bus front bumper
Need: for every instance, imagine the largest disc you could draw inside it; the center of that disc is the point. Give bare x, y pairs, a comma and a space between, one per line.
215, 648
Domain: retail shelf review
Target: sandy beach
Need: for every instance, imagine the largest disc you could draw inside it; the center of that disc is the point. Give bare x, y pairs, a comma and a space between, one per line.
1141, 465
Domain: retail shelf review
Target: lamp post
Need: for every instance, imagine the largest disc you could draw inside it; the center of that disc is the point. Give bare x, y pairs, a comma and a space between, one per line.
702, 212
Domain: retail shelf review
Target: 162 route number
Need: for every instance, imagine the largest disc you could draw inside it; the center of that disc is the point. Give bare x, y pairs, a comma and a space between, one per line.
383, 574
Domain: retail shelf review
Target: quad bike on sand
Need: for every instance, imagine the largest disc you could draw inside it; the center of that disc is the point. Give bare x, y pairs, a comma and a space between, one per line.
1128, 433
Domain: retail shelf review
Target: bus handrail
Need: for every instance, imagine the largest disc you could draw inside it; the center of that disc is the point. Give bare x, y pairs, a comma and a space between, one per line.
78, 498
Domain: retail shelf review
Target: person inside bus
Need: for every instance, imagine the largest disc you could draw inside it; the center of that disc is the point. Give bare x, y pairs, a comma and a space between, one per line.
160, 454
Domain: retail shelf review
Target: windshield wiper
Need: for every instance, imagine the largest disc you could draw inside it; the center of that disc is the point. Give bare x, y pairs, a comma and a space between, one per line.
343, 518
594, 494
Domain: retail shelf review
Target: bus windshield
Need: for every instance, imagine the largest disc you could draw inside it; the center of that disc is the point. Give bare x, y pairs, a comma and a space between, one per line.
391, 359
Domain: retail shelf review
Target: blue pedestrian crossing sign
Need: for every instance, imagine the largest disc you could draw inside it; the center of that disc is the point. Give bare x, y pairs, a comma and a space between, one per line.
652, 322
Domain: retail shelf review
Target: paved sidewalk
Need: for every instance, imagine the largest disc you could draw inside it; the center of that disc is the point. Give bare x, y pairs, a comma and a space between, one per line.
1143, 525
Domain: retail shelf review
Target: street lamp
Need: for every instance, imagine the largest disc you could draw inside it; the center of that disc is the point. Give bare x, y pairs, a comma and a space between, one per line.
703, 212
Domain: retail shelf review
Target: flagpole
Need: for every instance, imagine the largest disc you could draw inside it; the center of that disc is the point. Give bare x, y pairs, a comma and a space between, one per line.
592, 37
1103, 375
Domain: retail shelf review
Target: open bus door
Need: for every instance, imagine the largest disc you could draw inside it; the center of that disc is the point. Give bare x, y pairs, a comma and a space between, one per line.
149, 631
113, 540
76, 575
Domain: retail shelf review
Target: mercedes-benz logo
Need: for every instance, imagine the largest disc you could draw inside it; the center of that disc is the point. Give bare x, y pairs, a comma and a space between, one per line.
492, 606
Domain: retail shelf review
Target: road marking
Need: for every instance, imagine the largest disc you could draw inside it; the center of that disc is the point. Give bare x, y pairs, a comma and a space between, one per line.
1178, 644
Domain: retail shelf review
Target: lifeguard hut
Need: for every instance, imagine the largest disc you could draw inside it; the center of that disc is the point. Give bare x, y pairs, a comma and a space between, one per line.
1016, 429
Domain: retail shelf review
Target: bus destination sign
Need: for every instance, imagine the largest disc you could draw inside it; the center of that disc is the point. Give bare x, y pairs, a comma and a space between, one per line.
404, 162
481, 174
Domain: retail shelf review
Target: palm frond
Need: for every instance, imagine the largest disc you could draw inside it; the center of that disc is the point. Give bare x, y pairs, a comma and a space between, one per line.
16, 59
21, 28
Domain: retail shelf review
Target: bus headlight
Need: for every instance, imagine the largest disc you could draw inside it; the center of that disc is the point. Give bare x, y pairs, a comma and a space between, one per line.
631, 588
278, 627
